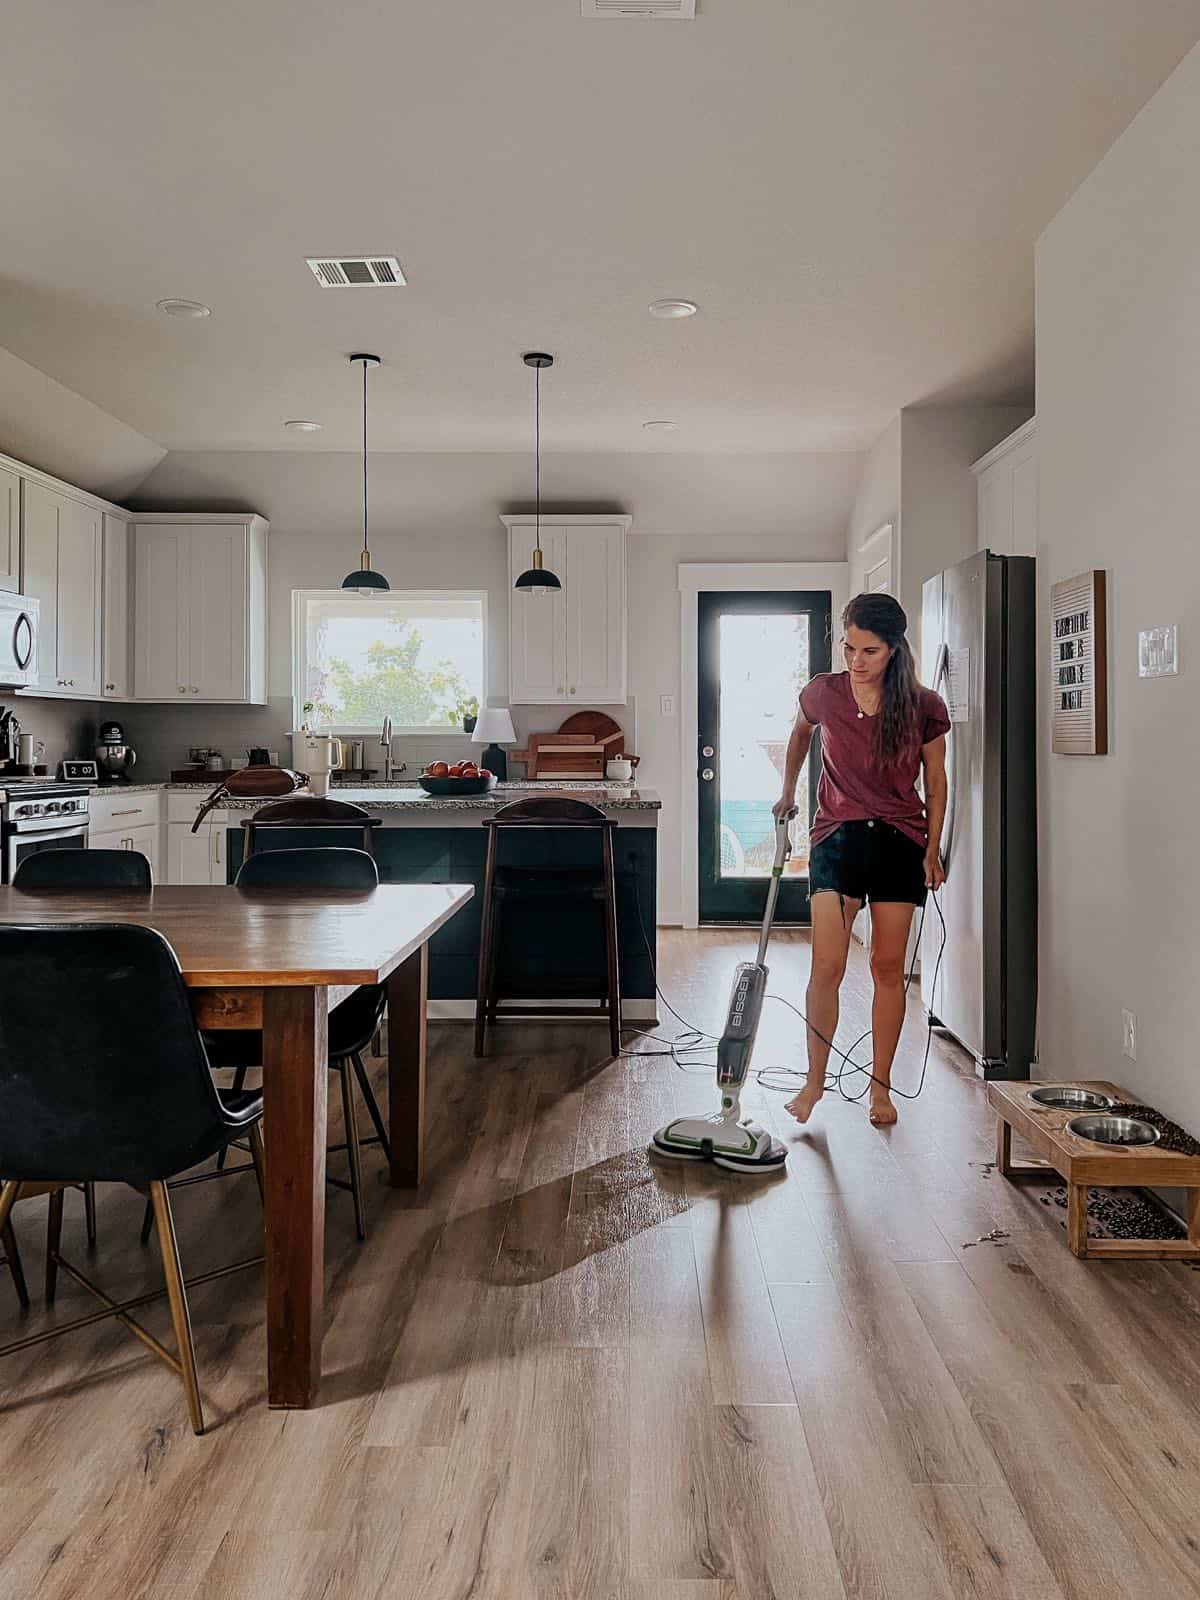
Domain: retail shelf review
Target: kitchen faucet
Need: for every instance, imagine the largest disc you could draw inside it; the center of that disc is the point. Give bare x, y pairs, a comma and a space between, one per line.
385, 739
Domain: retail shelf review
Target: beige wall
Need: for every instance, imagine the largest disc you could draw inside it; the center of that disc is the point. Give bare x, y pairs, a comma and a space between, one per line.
1118, 346
877, 501
53, 428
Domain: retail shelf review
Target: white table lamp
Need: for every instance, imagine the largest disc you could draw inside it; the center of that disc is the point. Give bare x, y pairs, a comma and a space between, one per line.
493, 727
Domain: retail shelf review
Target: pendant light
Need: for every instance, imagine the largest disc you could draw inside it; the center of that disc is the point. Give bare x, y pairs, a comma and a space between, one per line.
365, 578
537, 579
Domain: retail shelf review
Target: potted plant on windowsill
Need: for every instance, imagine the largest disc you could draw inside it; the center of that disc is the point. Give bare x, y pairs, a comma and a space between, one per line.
466, 713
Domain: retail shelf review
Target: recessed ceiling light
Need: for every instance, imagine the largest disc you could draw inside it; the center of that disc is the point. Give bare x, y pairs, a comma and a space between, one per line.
184, 308
671, 310
302, 425
660, 425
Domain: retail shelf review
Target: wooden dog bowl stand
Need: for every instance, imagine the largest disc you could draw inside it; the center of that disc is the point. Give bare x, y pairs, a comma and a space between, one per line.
1083, 1165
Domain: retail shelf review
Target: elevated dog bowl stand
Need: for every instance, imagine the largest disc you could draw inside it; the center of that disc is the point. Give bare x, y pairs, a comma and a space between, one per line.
1082, 1165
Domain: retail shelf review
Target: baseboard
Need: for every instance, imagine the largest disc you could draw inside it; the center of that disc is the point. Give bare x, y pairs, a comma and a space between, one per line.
464, 1011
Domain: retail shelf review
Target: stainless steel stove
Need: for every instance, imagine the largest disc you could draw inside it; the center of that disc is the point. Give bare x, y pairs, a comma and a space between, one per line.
39, 814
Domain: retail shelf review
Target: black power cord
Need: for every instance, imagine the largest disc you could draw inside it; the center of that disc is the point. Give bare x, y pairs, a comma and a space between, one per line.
693, 1040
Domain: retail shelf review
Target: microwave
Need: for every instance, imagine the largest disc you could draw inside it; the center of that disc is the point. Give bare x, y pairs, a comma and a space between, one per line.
18, 641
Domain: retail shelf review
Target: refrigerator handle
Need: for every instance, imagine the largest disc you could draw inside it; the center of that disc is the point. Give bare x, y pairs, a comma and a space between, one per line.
941, 682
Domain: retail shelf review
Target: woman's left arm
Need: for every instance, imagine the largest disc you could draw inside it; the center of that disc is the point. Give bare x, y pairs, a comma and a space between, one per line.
933, 760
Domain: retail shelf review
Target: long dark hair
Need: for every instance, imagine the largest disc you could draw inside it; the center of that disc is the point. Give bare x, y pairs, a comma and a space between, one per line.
897, 731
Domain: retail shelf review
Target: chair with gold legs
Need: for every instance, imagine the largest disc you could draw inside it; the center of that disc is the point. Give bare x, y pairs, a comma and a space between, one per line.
132, 1103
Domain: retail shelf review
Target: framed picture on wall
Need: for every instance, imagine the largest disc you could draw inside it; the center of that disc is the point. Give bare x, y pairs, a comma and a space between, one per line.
1079, 665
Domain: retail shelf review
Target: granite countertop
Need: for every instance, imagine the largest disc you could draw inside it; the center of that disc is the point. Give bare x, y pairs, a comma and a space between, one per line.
612, 797
100, 789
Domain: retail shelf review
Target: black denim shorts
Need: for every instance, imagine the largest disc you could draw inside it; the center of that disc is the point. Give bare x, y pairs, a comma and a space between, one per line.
869, 861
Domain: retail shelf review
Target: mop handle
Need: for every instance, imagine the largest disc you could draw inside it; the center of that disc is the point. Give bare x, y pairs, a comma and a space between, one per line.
783, 849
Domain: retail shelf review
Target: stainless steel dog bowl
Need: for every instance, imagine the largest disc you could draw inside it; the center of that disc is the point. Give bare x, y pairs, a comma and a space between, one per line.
1113, 1130
1064, 1098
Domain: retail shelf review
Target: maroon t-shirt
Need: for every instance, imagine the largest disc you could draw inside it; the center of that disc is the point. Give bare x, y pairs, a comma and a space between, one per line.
855, 786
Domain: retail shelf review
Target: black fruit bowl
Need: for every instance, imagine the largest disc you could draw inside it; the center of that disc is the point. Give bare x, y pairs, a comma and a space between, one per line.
456, 787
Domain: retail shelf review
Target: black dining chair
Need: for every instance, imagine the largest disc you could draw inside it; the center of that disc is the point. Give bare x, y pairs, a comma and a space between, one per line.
552, 890
309, 811
84, 869
132, 1102
352, 1024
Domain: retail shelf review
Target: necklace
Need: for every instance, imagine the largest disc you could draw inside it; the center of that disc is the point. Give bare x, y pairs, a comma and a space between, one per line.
857, 702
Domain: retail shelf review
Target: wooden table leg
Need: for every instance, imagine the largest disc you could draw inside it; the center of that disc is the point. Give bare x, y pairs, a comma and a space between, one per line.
1077, 1204
295, 1091
407, 988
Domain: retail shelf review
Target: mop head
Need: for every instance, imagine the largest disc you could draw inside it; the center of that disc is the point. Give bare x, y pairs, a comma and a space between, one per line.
739, 1146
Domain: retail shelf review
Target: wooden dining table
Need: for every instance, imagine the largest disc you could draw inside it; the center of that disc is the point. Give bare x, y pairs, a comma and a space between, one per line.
278, 960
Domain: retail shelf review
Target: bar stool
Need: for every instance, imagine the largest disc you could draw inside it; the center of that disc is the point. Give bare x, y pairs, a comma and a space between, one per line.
504, 885
309, 811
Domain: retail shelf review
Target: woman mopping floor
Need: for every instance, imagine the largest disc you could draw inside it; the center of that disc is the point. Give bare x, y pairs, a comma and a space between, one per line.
874, 840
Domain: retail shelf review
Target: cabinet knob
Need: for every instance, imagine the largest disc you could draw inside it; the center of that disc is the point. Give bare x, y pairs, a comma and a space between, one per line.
182, 690
572, 689
195, 690
110, 686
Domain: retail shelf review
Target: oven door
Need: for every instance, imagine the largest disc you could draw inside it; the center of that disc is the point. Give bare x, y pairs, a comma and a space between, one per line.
72, 836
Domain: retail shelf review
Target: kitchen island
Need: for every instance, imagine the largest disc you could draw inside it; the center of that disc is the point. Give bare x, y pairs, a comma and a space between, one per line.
545, 956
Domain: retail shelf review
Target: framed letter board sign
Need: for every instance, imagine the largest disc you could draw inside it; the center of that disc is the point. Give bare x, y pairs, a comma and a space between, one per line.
1079, 666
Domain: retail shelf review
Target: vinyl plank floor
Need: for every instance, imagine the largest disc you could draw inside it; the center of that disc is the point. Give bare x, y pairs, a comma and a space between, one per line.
568, 1370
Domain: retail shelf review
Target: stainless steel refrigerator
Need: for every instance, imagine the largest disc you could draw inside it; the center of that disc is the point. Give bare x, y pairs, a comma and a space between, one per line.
978, 649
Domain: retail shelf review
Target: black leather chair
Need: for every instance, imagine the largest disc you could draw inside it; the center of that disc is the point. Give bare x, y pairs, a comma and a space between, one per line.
130, 1102
309, 811
352, 1024
84, 869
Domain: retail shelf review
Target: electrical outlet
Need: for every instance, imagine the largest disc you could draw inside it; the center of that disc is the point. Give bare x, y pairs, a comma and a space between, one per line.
1129, 1034
666, 705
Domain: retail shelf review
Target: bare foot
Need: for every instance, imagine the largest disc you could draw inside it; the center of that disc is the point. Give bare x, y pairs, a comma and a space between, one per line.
803, 1104
883, 1112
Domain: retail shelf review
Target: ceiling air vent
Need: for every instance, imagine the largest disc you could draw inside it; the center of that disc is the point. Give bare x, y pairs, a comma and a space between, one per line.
357, 272
673, 10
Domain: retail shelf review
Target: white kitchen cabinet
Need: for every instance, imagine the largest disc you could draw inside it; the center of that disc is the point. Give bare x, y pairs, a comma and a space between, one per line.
198, 857
61, 561
1007, 488
200, 609
116, 681
569, 648
10, 530
147, 840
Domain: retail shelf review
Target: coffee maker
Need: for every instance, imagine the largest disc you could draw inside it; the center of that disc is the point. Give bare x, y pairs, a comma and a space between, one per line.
115, 756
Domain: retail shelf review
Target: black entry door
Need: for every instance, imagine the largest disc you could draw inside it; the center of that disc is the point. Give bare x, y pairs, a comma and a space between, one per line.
757, 651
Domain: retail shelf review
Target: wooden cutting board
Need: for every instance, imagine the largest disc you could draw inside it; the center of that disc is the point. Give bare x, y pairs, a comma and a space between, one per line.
599, 726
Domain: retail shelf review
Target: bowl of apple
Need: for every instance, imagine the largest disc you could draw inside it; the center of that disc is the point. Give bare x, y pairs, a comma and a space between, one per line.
461, 778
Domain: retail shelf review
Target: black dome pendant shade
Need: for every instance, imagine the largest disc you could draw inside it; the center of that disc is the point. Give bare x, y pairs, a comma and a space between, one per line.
364, 577
537, 579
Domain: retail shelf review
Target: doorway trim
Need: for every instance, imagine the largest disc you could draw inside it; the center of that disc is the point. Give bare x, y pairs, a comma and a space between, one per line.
696, 577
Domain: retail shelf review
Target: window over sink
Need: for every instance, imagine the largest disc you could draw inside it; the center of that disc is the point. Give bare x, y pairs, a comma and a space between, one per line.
418, 656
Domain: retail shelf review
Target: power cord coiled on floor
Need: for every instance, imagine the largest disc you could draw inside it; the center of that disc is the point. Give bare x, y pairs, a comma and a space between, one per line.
683, 1048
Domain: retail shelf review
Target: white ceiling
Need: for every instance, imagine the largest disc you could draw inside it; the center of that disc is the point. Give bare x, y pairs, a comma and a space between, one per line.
850, 188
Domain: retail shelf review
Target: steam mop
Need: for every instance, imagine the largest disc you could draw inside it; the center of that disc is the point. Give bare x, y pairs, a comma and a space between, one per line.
723, 1137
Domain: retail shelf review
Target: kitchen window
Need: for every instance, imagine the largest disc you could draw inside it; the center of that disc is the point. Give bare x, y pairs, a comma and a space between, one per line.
417, 656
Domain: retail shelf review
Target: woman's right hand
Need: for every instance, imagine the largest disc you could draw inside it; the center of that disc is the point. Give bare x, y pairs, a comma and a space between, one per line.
784, 808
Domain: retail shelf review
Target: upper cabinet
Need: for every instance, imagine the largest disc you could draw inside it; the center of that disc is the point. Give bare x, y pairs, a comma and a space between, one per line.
200, 607
10, 530
61, 566
1007, 486
569, 647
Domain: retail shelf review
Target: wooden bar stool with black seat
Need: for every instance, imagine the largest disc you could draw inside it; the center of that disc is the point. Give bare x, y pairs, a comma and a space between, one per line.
309, 811
506, 887
352, 1023
133, 1102
85, 869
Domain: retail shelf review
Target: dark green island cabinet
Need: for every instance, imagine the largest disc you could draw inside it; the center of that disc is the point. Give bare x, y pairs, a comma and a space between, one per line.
548, 951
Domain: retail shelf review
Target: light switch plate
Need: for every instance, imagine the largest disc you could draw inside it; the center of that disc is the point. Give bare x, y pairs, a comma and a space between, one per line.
666, 705
1158, 652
